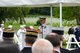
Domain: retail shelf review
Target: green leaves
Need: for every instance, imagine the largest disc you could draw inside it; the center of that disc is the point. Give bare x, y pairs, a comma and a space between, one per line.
12, 13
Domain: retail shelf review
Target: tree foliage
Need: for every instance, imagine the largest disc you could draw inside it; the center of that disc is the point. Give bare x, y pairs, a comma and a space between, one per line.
68, 13
40, 11
13, 13
18, 13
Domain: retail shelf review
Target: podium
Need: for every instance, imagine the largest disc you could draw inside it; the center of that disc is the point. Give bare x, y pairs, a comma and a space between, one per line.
69, 42
58, 30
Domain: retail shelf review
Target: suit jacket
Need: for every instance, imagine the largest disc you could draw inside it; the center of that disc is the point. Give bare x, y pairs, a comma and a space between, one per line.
8, 47
27, 50
71, 30
75, 51
62, 50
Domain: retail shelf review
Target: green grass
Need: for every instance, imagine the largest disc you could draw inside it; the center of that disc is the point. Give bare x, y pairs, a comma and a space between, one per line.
32, 22
16, 26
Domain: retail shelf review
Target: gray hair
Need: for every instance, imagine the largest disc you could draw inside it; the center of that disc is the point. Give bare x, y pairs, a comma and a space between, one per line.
42, 46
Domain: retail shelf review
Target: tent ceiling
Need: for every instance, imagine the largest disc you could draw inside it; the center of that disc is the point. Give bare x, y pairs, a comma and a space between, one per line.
70, 2
38, 3
54, 3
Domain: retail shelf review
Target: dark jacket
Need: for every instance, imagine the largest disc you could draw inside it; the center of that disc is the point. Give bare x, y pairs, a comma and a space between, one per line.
75, 51
8, 47
62, 50
71, 31
27, 50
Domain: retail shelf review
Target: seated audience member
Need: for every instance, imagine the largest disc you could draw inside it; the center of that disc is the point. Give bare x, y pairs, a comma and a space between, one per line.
70, 32
8, 45
55, 40
30, 38
42, 46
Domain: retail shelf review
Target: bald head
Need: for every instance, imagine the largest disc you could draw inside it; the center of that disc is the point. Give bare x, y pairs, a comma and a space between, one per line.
42, 46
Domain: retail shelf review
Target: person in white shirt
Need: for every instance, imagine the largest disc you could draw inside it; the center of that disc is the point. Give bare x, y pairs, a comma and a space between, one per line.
43, 28
21, 35
1, 30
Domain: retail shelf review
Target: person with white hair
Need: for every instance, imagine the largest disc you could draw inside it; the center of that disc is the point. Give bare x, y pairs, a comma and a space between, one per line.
42, 46
21, 35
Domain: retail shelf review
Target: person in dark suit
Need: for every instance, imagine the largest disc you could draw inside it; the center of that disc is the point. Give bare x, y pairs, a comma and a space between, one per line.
55, 40
8, 45
77, 35
75, 51
71, 30
29, 40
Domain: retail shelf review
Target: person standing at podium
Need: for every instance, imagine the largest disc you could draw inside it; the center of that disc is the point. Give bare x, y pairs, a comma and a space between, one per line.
43, 28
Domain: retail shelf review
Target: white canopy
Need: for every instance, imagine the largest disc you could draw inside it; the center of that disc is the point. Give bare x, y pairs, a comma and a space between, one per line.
47, 3
38, 3
8, 3
32, 3
41, 3
70, 2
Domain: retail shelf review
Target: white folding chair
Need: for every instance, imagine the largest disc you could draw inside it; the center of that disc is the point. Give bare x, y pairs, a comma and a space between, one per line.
69, 42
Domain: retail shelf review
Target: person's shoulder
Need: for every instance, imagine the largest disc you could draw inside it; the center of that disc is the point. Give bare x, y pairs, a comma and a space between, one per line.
63, 50
26, 49
76, 50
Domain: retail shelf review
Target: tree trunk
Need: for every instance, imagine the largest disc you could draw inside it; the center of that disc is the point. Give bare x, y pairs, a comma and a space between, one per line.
77, 15
21, 21
0, 21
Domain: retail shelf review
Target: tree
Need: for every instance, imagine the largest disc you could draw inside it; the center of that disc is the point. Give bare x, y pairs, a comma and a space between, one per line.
13, 13
76, 12
40, 11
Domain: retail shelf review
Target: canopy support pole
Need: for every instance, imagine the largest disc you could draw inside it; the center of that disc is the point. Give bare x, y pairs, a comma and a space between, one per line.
60, 14
51, 17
